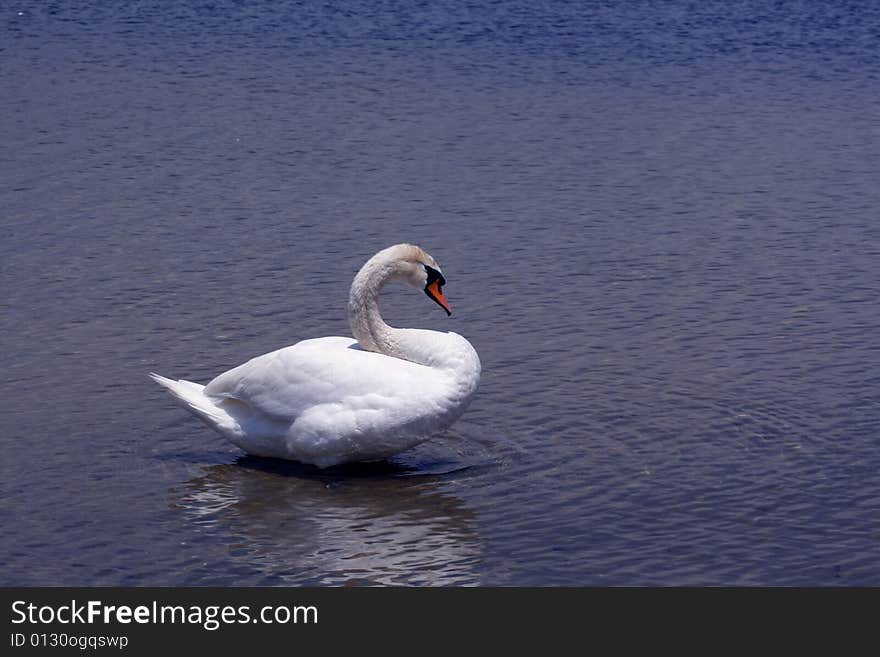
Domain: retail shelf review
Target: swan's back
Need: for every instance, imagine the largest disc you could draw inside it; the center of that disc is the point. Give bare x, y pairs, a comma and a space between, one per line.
287, 382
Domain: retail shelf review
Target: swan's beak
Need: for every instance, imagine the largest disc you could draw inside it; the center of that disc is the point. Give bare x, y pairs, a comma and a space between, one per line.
433, 290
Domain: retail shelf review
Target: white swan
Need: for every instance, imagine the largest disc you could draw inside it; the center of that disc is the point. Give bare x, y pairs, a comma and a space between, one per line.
333, 400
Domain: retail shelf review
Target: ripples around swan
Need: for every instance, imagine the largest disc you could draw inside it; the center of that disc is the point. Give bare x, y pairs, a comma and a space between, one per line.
388, 522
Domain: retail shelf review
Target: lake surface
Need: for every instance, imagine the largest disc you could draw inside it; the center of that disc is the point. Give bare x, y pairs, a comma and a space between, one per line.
659, 226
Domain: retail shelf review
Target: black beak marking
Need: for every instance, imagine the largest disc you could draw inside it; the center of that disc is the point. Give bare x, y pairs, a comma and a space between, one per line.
435, 276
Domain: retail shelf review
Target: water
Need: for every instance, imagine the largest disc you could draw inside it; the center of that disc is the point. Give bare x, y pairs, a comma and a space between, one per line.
658, 222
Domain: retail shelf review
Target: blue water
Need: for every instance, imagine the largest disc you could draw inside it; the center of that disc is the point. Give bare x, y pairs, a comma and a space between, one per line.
659, 227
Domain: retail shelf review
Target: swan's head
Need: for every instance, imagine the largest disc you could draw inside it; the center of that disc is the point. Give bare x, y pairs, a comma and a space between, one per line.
412, 265
418, 268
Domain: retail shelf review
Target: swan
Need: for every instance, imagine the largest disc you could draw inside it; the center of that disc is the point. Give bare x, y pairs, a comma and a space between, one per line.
332, 400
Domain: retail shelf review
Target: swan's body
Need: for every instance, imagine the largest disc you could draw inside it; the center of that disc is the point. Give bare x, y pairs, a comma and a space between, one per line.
332, 400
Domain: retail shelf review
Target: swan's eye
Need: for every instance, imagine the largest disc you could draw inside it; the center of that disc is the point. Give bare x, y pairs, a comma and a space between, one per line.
434, 275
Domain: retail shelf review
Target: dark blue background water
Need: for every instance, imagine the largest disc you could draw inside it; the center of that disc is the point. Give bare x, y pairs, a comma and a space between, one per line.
659, 226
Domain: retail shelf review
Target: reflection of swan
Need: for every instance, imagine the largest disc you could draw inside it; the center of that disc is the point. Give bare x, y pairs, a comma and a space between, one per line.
366, 524
334, 400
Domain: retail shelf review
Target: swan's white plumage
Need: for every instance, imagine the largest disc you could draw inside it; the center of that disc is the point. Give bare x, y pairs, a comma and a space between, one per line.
327, 400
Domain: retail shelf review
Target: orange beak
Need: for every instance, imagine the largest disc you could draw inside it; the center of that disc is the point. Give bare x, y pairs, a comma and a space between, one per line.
436, 294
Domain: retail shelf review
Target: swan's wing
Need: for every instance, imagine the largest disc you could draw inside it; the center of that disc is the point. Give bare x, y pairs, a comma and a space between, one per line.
284, 384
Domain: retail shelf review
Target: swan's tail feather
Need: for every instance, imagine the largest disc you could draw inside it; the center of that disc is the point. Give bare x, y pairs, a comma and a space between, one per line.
192, 397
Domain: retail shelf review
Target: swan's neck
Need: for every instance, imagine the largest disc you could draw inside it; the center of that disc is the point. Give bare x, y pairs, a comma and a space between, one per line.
448, 352
367, 325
